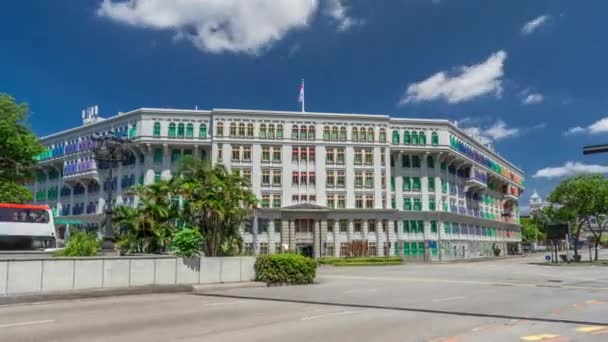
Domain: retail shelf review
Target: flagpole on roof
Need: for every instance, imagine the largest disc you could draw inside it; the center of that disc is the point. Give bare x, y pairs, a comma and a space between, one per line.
301, 99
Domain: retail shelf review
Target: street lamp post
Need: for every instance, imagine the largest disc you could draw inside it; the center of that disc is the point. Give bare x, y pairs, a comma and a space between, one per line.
112, 150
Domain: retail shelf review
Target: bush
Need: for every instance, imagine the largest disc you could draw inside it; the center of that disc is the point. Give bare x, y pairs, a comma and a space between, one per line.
81, 244
187, 243
285, 269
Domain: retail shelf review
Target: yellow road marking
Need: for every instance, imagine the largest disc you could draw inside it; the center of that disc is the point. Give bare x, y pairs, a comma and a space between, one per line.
539, 337
589, 329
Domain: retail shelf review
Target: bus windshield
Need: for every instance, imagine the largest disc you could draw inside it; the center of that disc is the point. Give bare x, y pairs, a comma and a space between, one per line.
24, 215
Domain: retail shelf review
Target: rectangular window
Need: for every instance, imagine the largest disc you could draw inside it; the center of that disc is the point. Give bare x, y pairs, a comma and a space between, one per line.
311, 154
343, 226
276, 200
329, 155
444, 186
369, 157
302, 153
433, 226
431, 181
417, 204
176, 155
407, 203
392, 183
330, 179
369, 180
416, 183
340, 156
330, 226
276, 153
371, 226
341, 202
265, 177
369, 201
406, 226
443, 166
247, 153
247, 175
312, 178
358, 156
382, 159
358, 179
295, 177
420, 226
303, 176
295, 153
340, 179
277, 225
265, 201
158, 155
405, 161
331, 201
416, 161
393, 202
383, 180
430, 163
312, 198
157, 176
220, 154
432, 206
407, 184
358, 201
276, 177
358, 226
295, 199
265, 154
236, 153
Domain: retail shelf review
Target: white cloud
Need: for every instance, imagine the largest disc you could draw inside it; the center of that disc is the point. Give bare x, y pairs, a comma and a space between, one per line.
600, 126
495, 132
238, 26
570, 169
470, 82
534, 24
337, 10
534, 98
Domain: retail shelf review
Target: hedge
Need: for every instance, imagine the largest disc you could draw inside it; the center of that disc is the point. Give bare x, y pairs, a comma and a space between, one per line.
285, 269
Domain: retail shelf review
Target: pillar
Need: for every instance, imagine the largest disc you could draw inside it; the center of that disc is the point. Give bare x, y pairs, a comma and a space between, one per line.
316, 241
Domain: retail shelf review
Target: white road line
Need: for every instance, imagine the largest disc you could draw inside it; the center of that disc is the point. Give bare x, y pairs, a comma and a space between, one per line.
340, 313
27, 323
448, 298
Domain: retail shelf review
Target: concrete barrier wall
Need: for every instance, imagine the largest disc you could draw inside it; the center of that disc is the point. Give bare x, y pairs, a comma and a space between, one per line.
20, 276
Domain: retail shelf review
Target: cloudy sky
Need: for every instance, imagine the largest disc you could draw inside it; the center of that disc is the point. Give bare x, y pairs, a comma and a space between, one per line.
530, 77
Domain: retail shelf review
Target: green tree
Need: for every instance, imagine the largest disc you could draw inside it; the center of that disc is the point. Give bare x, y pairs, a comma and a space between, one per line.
218, 202
577, 200
18, 147
187, 242
530, 230
149, 227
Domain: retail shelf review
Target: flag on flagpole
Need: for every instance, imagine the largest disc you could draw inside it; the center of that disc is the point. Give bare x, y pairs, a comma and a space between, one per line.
301, 97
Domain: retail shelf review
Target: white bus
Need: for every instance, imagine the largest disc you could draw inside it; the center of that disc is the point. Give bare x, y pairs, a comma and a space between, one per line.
26, 227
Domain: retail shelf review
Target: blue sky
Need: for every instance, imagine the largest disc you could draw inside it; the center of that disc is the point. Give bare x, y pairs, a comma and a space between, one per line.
529, 76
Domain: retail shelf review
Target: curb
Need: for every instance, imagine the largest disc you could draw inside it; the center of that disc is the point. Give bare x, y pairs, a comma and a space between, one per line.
92, 293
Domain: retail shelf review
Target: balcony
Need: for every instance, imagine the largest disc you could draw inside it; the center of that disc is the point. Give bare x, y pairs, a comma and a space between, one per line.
477, 181
84, 170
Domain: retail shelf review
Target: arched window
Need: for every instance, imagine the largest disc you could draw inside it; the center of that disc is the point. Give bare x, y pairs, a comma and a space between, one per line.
303, 133
311, 132
190, 131
354, 135
271, 131
279, 131
294, 132
241, 129
133, 131
434, 138
395, 137
414, 138
406, 138
263, 133
342, 133
334, 133
430, 162
172, 130
233, 129
180, 130
250, 130
422, 138
363, 135
370, 134
382, 135
220, 129
202, 132
156, 131
326, 133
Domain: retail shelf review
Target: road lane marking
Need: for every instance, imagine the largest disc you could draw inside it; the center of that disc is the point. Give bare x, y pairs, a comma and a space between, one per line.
339, 313
591, 329
466, 282
20, 324
447, 299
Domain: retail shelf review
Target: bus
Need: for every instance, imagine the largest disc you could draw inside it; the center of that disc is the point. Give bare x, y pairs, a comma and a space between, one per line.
26, 227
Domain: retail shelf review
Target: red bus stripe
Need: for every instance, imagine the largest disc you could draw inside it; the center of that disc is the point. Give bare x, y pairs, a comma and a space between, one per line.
24, 206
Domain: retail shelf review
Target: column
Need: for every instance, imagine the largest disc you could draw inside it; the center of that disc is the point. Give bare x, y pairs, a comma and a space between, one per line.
166, 166
256, 245
148, 165
271, 237
316, 241
392, 237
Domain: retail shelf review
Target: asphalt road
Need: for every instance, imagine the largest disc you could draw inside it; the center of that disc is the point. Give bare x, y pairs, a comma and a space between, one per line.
508, 300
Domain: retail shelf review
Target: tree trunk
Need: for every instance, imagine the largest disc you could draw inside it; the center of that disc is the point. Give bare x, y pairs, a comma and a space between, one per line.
596, 246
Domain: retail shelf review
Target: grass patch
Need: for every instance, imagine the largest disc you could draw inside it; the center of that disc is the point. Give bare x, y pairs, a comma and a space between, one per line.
573, 264
361, 261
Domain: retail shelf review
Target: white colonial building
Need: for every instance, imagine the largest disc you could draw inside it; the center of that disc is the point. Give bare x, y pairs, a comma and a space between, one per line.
323, 180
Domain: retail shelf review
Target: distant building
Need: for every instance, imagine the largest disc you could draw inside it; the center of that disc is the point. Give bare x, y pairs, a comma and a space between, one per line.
410, 187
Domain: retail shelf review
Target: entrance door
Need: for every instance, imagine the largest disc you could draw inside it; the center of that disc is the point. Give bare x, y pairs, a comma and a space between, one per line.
305, 250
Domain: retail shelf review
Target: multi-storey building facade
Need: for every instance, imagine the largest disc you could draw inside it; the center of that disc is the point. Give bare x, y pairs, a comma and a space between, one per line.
412, 187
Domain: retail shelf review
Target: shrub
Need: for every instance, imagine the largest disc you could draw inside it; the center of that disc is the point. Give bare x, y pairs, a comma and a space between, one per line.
187, 243
81, 244
285, 269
